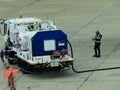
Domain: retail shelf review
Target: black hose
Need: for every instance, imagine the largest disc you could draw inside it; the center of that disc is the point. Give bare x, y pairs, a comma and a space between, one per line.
91, 70
70, 48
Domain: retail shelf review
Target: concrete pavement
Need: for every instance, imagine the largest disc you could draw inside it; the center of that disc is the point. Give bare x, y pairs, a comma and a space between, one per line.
78, 19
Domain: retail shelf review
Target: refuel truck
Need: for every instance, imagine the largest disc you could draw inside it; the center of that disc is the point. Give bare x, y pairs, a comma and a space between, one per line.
34, 44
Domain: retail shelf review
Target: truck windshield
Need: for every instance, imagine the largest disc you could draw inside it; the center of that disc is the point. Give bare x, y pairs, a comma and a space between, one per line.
30, 25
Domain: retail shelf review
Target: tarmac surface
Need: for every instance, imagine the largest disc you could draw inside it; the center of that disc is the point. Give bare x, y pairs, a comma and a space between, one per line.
79, 19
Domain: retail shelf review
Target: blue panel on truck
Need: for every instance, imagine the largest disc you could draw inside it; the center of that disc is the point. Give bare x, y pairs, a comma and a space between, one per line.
38, 42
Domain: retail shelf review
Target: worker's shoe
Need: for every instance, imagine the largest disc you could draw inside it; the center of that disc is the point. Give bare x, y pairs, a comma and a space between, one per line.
94, 55
97, 56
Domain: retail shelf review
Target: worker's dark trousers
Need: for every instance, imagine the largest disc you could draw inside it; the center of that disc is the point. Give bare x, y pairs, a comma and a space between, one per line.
97, 49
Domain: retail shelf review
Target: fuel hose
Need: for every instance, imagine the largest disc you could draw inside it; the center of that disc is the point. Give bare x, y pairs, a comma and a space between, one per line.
91, 70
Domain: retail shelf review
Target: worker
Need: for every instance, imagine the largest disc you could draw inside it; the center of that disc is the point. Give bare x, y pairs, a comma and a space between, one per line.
97, 40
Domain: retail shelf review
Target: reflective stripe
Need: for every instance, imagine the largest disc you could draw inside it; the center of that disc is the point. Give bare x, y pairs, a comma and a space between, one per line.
97, 40
99, 36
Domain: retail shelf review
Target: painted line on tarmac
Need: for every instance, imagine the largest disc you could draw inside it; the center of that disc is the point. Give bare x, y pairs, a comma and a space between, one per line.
99, 14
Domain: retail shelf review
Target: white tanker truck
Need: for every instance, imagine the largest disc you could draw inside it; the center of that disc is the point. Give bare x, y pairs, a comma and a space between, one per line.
35, 44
